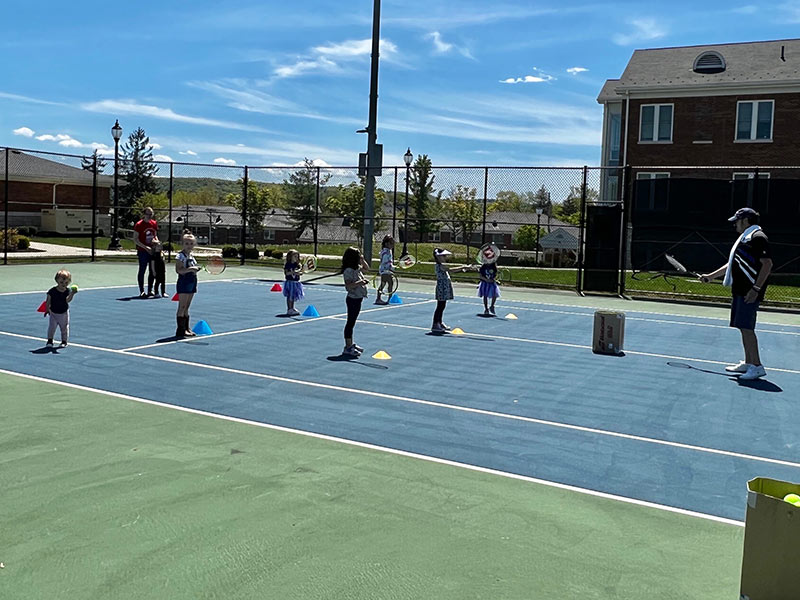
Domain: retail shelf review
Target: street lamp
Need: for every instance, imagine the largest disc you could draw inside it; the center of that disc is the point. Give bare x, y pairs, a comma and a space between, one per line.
538, 229
116, 133
407, 158
218, 220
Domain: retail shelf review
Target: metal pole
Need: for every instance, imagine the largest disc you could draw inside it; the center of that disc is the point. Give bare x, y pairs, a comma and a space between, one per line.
316, 216
372, 134
394, 206
538, 230
115, 244
405, 218
623, 235
5, 213
579, 279
244, 216
485, 203
169, 218
754, 201
94, 206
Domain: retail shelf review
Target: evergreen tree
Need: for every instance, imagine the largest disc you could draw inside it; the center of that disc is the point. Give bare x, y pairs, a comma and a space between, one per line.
424, 201
541, 199
138, 171
88, 162
300, 191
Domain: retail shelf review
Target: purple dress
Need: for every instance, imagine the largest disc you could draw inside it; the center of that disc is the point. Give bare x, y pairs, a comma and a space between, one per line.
489, 289
292, 288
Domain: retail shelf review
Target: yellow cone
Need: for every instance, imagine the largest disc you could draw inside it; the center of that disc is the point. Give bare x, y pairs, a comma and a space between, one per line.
457, 331
381, 355
512, 317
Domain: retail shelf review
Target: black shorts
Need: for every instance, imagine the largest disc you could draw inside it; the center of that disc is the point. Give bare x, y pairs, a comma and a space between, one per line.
743, 315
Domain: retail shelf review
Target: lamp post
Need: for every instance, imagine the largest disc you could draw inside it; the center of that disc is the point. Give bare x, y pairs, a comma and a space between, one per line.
538, 229
407, 158
116, 133
218, 220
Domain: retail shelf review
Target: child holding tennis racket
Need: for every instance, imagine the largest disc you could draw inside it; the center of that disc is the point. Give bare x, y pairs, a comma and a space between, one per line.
158, 272
444, 288
386, 268
353, 267
488, 287
292, 288
186, 267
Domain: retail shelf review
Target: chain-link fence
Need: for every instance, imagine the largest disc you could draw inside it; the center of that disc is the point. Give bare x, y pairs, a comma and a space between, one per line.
587, 229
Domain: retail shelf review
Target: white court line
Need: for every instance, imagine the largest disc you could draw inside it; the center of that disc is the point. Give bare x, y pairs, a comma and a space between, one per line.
445, 405
566, 345
273, 326
387, 450
122, 287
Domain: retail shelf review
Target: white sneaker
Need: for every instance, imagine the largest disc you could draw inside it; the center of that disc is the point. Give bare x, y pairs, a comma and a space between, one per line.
753, 372
381, 302
293, 312
350, 351
741, 367
358, 348
62, 344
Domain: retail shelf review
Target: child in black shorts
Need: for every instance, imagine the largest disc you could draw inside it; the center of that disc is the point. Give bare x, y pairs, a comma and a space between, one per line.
158, 272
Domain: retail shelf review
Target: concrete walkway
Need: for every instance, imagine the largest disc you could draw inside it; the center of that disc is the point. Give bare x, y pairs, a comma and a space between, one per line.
41, 250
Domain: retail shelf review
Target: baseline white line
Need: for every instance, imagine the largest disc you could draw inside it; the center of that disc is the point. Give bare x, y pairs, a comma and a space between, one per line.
566, 345
121, 287
273, 326
445, 405
387, 450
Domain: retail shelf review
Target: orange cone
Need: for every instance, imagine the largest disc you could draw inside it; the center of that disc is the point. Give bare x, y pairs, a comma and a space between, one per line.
276, 288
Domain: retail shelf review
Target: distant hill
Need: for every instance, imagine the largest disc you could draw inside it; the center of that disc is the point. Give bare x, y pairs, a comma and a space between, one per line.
220, 187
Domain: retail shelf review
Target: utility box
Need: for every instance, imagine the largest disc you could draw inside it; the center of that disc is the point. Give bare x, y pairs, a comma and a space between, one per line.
609, 332
68, 221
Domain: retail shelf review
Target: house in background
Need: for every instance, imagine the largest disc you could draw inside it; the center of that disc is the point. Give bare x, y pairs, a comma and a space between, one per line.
222, 224
36, 184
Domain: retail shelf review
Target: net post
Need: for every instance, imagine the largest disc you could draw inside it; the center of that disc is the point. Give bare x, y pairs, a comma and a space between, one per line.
485, 205
5, 210
169, 217
623, 236
316, 214
244, 215
581, 228
94, 205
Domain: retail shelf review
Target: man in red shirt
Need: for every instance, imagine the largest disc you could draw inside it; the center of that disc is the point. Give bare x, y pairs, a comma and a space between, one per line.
146, 231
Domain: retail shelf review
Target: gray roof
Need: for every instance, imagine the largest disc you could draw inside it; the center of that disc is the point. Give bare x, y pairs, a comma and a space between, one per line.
608, 93
511, 221
229, 216
559, 239
749, 64
35, 169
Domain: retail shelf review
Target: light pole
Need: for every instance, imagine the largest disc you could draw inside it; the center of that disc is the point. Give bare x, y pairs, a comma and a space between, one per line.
218, 220
374, 150
538, 229
116, 133
407, 158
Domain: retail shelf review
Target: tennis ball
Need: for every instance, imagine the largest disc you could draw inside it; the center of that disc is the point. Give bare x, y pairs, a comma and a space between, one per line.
792, 499
74, 289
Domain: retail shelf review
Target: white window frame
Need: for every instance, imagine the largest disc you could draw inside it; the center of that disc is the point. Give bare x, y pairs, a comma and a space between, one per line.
742, 175
435, 236
656, 117
754, 123
269, 235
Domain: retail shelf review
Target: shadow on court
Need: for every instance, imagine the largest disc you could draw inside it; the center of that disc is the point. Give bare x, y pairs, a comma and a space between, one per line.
353, 360
755, 384
45, 350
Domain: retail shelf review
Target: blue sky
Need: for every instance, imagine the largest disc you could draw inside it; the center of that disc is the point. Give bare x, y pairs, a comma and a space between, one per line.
266, 83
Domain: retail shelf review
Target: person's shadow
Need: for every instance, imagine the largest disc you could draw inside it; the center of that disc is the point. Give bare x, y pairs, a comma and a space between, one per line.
761, 385
45, 350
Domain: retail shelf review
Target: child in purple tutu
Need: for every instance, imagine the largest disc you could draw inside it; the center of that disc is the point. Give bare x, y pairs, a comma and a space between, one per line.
488, 287
292, 288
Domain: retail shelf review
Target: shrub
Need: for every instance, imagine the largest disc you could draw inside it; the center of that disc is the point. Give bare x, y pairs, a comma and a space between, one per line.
27, 230
230, 252
251, 253
277, 254
13, 237
23, 242
526, 261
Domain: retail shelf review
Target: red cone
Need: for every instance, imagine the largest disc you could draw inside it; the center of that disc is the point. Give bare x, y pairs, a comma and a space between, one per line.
42, 307
175, 297
276, 288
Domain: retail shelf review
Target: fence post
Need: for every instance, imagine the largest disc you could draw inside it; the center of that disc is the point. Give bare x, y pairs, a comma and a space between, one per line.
581, 228
316, 215
94, 205
485, 202
5, 213
244, 216
754, 199
169, 218
394, 207
623, 236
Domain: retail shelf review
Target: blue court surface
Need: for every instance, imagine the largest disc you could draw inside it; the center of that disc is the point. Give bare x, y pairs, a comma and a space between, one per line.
663, 424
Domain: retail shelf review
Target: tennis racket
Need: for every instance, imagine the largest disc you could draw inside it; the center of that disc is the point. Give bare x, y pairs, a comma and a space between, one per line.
309, 264
214, 265
680, 268
503, 276
393, 286
405, 262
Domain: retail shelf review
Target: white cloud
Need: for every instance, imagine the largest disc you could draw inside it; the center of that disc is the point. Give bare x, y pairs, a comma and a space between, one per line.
328, 58
52, 138
131, 107
71, 143
354, 48
28, 99
188, 153
539, 76
155, 146
747, 9
576, 70
162, 158
442, 47
301, 67
644, 29
224, 161
24, 132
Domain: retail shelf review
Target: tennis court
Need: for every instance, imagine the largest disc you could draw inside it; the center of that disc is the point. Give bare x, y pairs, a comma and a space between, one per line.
507, 462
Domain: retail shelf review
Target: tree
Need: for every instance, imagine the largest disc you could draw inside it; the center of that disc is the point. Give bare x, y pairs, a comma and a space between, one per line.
138, 170
526, 237
300, 191
541, 199
569, 210
462, 212
508, 201
348, 202
158, 202
424, 202
260, 200
88, 162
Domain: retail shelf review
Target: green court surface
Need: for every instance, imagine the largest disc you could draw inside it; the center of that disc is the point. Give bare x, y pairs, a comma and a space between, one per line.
105, 497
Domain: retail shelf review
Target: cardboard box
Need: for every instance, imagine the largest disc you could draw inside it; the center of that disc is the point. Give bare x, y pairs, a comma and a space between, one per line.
770, 565
609, 332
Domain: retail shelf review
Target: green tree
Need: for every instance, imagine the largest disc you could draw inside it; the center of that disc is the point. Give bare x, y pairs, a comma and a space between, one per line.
526, 237
260, 200
425, 202
509, 201
158, 202
541, 199
88, 162
138, 170
462, 212
569, 210
300, 191
348, 202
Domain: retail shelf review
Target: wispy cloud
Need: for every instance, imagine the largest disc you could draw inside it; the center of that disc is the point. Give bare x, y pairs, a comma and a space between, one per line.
276, 150
67, 141
224, 161
576, 70
24, 132
329, 58
538, 76
162, 158
442, 47
131, 107
747, 9
28, 99
188, 153
643, 30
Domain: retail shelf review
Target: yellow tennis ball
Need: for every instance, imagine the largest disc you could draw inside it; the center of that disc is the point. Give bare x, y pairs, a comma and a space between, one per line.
74, 289
792, 499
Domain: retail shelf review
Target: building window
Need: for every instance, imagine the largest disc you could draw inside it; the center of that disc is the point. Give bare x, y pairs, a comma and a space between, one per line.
709, 62
269, 235
435, 236
655, 124
754, 120
652, 191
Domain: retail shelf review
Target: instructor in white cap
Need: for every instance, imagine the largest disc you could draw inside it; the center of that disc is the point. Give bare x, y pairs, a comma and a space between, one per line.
746, 273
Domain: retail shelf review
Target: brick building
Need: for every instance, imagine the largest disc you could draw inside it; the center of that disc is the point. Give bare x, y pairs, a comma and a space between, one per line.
36, 183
